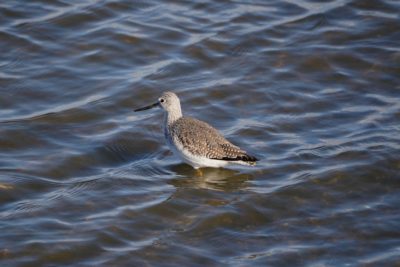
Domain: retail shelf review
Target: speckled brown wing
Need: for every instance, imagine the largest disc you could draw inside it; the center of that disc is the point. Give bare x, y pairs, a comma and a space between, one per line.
202, 139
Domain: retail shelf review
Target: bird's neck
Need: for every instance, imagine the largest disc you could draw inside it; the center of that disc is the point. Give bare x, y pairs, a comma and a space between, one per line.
169, 118
173, 115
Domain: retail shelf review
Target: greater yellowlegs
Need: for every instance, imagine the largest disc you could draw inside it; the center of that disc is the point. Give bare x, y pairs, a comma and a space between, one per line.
194, 141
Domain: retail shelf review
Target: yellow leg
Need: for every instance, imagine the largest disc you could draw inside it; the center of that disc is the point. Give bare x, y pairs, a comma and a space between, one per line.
199, 172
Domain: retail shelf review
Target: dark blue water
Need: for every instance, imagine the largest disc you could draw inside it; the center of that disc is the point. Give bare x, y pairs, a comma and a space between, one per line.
310, 87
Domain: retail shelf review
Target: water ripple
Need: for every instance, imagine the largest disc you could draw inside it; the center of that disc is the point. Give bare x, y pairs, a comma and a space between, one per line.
309, 87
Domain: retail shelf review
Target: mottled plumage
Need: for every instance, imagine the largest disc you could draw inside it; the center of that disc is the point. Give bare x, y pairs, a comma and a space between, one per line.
195, 141
201, 139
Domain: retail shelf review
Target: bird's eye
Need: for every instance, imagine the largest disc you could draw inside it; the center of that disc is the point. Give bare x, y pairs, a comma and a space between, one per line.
162, 100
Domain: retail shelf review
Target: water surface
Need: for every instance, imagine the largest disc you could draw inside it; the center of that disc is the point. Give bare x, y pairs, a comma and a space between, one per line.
310, 87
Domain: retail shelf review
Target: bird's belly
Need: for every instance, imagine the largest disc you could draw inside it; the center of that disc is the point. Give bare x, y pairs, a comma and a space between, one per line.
191, 159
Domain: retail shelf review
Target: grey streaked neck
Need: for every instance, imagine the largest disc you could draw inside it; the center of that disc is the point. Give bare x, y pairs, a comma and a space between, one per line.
169, 118
173, 115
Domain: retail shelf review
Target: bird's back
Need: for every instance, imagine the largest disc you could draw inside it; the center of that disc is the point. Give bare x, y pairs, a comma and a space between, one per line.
201, 139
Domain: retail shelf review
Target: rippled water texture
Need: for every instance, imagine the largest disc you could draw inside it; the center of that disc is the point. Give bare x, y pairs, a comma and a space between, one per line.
310, 87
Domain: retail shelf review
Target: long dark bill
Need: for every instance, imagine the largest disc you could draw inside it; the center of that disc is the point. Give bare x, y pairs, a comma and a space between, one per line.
147, 107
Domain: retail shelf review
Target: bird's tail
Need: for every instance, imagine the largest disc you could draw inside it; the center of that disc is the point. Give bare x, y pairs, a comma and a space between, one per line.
244, 159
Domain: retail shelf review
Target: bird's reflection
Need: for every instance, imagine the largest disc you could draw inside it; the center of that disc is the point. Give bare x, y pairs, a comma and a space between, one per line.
210, 178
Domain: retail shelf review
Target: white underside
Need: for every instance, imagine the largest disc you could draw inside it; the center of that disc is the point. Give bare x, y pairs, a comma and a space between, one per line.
199, 162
